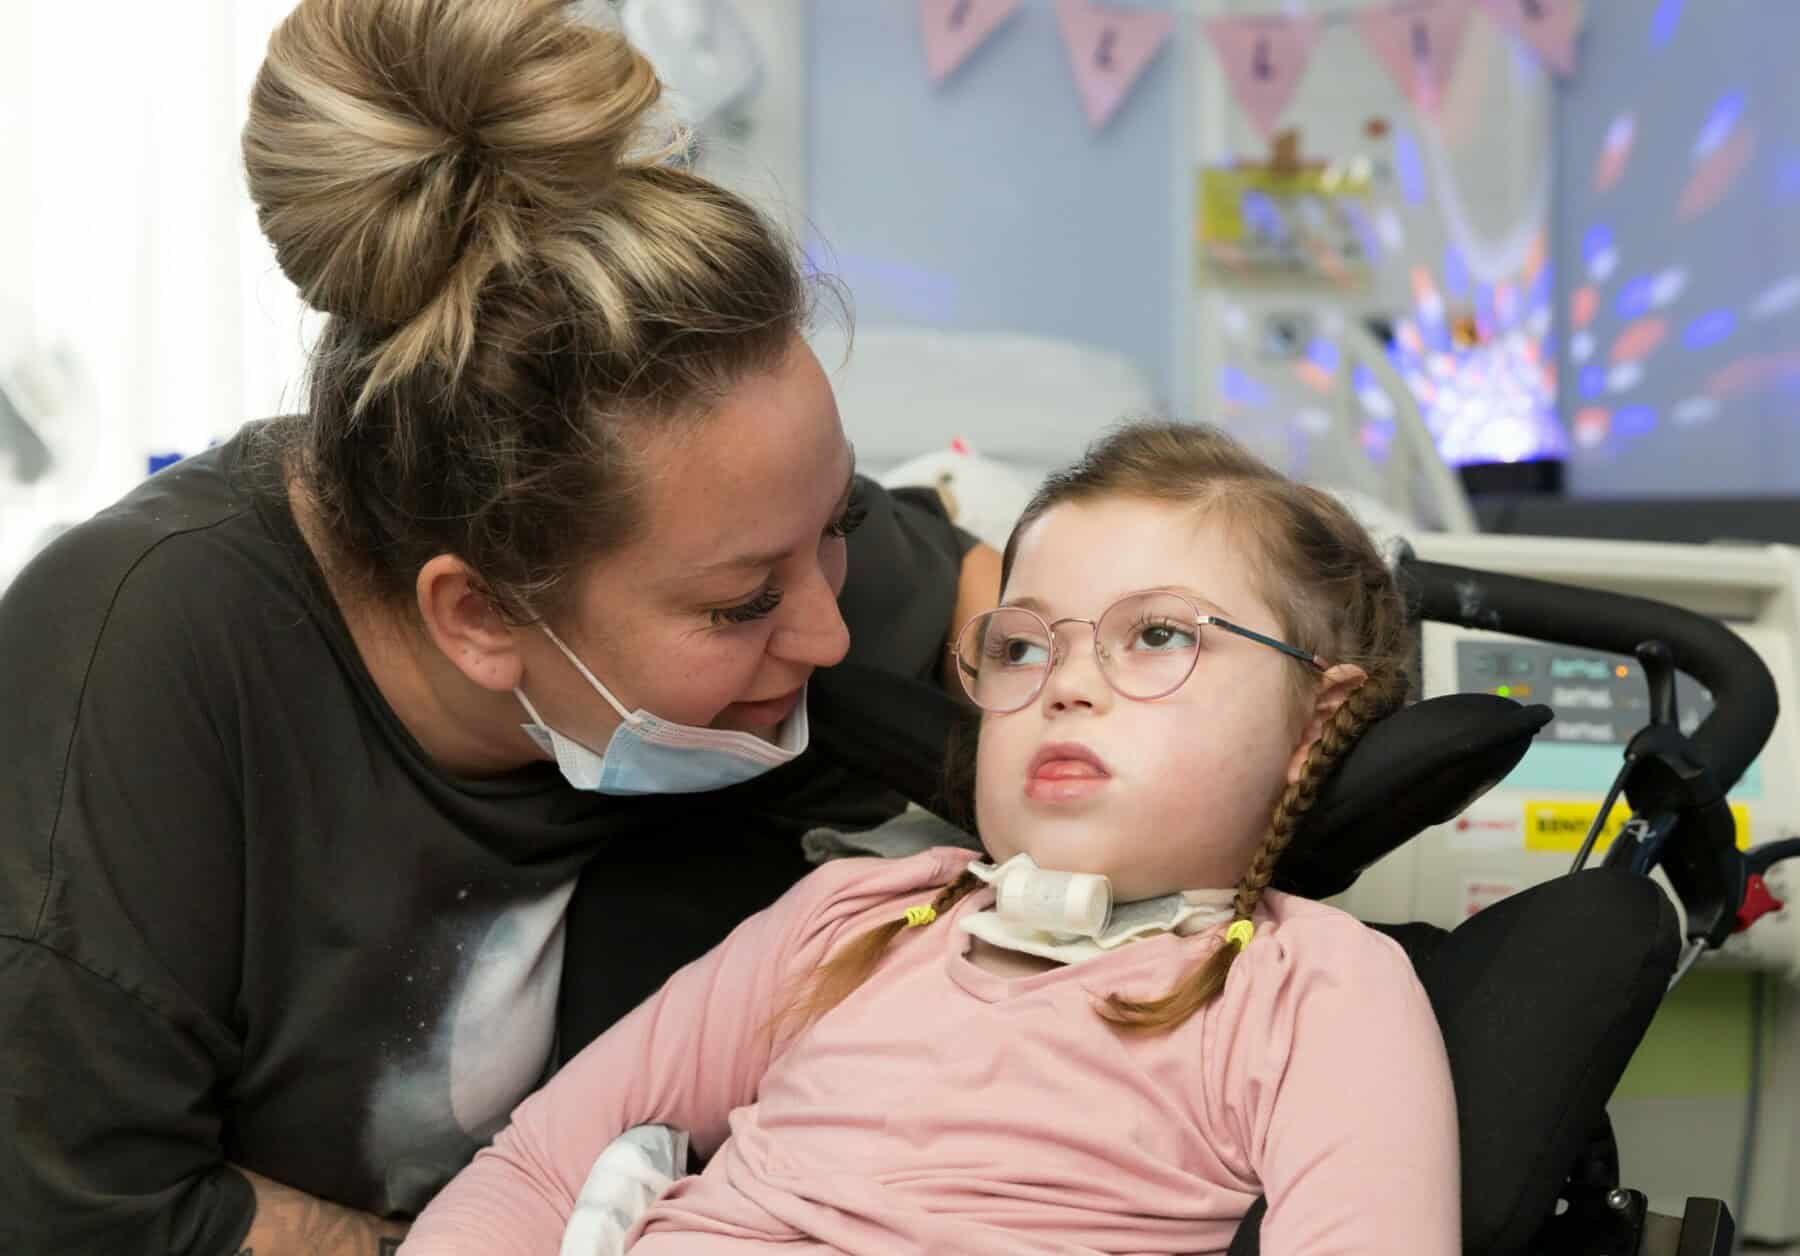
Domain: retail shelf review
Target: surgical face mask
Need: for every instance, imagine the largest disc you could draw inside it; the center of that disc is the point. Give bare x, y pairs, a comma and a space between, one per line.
650, 755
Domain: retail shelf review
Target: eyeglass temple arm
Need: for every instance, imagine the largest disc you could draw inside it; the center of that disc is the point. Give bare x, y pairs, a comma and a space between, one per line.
1293, 651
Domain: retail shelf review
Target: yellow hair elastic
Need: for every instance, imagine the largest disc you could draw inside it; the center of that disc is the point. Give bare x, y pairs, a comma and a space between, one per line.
923, 915
1240, 933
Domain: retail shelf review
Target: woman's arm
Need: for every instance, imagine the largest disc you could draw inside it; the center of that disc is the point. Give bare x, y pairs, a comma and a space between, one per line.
292, 1223
977, 590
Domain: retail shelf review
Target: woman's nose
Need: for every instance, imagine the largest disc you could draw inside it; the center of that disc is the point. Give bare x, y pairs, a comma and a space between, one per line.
812, 630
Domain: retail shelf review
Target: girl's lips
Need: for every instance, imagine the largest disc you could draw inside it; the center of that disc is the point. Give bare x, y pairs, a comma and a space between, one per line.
1065, 772
1065, 753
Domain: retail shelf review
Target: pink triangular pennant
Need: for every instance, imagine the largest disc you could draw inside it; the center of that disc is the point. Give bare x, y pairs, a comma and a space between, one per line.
956, 28
1419, 45
1549, 26
1108, 50
1264, 59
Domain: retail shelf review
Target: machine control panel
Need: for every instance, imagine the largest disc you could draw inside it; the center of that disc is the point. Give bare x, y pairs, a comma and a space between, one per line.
1599, 699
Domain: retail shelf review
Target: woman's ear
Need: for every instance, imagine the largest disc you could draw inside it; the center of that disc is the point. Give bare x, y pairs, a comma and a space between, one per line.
466, 626
1336, 685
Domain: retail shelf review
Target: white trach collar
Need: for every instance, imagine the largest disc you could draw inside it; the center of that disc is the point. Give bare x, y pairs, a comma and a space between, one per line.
1070, 916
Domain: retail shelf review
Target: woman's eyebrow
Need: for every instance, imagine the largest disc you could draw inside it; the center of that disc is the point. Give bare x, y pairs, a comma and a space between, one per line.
768, 558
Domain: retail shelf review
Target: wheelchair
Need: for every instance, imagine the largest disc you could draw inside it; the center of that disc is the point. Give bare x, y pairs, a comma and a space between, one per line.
1538, 1021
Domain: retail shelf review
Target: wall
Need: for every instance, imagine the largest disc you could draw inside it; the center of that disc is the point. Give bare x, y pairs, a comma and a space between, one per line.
986, 203
1679, 250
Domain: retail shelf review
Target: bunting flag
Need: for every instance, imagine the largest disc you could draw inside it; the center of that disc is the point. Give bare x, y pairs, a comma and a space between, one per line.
1418, 45
1549, 26
1264, 60
956, 28
1109, 49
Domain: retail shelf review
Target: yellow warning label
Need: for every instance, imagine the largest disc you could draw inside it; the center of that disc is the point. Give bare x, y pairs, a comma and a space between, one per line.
1560, 826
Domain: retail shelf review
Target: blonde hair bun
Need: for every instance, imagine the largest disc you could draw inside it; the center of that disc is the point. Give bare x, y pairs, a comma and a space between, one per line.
398, 151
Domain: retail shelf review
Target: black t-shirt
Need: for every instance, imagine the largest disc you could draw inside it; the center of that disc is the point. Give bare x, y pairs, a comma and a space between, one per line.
244, 919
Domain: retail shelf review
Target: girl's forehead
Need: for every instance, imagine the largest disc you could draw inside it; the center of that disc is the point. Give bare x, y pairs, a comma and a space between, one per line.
1079, 555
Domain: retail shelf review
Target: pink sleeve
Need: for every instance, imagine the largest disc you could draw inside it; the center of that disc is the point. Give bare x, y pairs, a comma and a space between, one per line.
686, 1057
1337, 1083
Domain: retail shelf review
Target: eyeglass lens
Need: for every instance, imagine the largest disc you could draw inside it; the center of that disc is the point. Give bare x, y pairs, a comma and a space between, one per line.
1146, 645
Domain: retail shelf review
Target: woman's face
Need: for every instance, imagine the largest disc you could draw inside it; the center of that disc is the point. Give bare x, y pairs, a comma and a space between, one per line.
719, 610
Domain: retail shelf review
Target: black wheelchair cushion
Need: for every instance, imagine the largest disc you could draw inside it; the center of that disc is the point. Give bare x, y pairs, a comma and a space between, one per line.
1542, 999
1418, 767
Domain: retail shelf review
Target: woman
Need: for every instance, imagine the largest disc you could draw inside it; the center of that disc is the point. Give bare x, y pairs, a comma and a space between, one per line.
313, 733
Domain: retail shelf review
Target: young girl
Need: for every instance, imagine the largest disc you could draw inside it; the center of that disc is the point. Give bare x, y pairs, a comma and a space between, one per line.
1108, 1036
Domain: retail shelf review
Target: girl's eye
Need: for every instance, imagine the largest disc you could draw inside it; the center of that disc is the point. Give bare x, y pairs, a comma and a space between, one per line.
855, 513
1164, 636
1018, 652
764, 603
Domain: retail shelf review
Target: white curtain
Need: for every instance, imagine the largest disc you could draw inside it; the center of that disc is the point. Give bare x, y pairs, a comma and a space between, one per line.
128, 247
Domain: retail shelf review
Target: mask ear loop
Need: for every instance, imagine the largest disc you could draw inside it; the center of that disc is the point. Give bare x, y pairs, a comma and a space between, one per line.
586, 675
529, 709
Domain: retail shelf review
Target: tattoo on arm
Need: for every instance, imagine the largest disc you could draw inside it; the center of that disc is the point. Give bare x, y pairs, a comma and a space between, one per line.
289, 1222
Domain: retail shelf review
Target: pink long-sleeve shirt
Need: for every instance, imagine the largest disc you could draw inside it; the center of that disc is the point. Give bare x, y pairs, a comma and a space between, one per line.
942, 1108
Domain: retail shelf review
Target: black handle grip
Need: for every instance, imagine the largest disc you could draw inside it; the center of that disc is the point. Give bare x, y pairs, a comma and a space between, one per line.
1744, 701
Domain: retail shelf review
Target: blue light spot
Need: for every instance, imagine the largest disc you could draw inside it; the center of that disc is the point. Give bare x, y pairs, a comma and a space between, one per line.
1366, 235
1635, 297
1709, 329
1485, 313
1435, 334
1787, 179
1456, 271
1543, 289
1593, 381
1238, 387
1408, 167
1633, 421
1724, 116
1597, 240
1362, 378
911, 293
1662, 26
1260, 212
1323, 354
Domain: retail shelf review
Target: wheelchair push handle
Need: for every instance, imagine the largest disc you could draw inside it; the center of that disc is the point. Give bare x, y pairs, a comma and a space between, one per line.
1744, 701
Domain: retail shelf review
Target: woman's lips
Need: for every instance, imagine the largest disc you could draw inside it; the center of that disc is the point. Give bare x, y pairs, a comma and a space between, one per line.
762, 715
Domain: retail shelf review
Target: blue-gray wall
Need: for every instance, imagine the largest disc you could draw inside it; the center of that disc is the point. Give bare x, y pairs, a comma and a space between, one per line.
986, 203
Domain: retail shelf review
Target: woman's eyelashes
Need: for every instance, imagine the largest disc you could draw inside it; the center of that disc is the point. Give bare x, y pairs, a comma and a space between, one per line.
765, 601
759, 606
856, 511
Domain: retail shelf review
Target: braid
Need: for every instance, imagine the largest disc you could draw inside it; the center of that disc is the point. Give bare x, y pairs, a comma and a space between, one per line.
1370, 701
838, 976
1367, 703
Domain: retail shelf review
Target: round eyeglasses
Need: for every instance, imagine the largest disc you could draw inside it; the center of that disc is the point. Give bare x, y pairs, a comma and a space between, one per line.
1145, 643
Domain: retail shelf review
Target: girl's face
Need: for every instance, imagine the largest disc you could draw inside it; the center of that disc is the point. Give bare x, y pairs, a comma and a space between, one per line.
1186, 783
719, 610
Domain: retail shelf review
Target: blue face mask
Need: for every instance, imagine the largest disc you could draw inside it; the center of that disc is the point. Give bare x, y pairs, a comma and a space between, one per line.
649, 755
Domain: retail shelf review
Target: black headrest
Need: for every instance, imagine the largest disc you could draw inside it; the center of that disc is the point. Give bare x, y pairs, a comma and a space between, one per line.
1418, 767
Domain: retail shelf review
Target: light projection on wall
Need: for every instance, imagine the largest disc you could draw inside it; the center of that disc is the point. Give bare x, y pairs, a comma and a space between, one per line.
1682, 306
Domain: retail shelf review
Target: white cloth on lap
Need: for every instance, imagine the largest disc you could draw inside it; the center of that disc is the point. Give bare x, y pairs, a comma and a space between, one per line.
629, 1175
